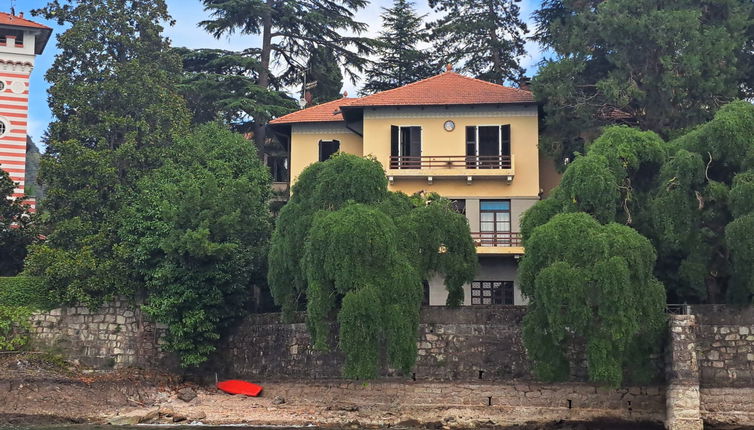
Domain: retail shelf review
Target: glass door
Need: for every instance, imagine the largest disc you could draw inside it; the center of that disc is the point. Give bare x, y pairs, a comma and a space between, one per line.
495, 222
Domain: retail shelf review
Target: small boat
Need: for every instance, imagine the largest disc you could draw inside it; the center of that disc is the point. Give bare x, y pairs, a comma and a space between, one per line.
235, 386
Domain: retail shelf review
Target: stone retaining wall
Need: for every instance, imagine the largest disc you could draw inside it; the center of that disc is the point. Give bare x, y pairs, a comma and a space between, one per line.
710, 368
464, 344
726, 345
115, 335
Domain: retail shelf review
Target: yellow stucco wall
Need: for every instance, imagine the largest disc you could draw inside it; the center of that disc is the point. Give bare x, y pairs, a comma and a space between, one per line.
435, 141
305, 143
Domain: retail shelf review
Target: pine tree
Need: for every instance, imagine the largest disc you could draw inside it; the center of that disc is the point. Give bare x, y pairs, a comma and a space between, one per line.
400, 59
220, 84
664, 66
323, 68
483, 37
290, 31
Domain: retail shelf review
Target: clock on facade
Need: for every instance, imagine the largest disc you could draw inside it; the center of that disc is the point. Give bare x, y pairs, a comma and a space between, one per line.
449, 125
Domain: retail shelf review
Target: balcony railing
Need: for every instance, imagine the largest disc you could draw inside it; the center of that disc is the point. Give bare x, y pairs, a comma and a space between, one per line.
510, 239
451, 162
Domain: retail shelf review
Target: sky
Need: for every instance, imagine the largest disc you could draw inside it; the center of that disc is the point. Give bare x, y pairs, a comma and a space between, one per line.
187, 14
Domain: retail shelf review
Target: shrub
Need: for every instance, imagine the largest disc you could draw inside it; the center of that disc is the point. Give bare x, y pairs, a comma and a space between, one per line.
14, 327
24, 291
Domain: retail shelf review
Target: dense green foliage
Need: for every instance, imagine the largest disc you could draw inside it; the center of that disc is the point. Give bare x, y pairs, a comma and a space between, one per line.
289, 32
701, 208
692, 200
400, 60
664, 66
14, 327
590, 284
17, 229
116, 111
219, 84
322, 68
357, 253
24, 291
195, 234
483, 38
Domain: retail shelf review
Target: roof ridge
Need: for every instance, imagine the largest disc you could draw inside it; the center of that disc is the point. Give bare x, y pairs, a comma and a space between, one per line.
407, 85
490, 83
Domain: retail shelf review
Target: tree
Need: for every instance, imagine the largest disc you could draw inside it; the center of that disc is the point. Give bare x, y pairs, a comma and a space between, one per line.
590, 284
220, 84
322, 68
31, 184
662, 66
700, 210
691, 197
486, 37
17, 230
400, 61
116, 110
290, 31
356, 253
196, 233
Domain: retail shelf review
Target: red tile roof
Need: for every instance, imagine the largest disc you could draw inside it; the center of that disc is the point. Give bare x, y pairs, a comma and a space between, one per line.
447, 88
324, 112
8, 19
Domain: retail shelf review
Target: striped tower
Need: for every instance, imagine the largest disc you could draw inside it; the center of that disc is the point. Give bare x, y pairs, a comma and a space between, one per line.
21, 41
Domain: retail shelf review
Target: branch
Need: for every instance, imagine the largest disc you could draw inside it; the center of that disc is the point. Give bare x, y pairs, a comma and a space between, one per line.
706, 171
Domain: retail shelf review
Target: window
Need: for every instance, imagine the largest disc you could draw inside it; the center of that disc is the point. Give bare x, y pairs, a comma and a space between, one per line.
278, 168
3, 127
458, 205
488, 147
405, 147
18, 33
492, 293
495, 222
327, 148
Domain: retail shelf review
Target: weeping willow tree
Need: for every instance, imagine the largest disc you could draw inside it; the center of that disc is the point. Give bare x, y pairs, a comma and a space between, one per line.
588, 276
693, 200
590, 284
349, 251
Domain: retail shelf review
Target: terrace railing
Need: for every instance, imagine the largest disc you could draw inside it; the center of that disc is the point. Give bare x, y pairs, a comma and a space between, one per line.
497, 238
451, 162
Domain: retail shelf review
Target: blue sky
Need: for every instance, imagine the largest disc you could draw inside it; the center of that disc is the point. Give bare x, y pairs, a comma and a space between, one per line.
187, 13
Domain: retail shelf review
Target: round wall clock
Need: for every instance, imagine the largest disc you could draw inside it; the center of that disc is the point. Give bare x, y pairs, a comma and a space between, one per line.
449, 125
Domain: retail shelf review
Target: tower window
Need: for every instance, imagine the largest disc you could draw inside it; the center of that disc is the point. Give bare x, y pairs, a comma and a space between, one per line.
3, 127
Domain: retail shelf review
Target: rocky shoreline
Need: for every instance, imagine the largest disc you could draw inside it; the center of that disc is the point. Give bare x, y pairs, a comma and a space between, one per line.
35, 391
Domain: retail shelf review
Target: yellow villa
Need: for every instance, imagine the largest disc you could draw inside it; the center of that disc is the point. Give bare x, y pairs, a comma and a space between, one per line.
468, 140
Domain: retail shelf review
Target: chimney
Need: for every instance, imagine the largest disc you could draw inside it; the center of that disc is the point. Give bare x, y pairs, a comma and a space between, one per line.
524, 83
449, 67
21, 15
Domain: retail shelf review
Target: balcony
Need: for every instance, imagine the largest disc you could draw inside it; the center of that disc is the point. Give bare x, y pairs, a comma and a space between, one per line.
498, 243
450, 166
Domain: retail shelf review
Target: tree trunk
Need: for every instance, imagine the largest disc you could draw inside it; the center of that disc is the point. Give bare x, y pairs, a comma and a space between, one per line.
264, 74
497, 62
713, 290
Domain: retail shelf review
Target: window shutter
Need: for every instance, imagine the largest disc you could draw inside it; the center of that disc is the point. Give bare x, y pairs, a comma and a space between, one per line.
394, 130
506, 142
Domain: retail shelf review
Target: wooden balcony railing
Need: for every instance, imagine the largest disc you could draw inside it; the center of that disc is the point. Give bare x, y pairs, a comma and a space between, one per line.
497, 239
451, 162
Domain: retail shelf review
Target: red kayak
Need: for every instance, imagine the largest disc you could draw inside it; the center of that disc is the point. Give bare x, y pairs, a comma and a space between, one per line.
240, 387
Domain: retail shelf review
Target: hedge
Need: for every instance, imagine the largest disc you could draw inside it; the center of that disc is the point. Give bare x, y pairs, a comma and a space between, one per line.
24, 291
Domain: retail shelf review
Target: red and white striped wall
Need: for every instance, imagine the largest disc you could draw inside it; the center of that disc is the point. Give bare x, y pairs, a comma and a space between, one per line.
14, 112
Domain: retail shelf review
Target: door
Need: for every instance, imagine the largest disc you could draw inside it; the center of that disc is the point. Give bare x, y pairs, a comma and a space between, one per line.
495, 222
